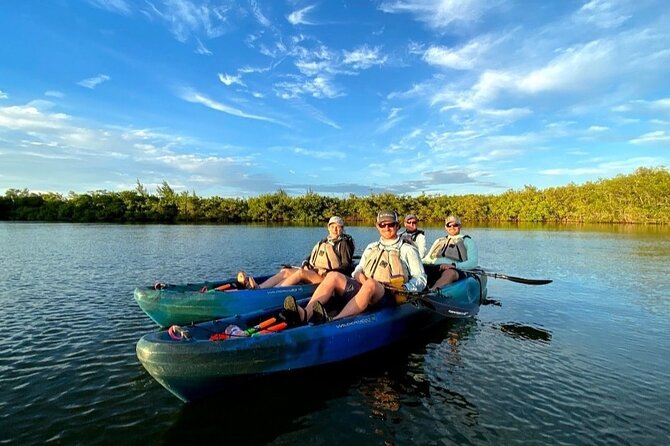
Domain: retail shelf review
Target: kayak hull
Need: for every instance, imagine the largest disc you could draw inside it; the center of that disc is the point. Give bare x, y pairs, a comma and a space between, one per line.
194, 366
185, 304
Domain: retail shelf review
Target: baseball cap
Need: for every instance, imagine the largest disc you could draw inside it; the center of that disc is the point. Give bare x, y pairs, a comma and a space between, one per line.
337, 220
387, 215
452, 219
410, 216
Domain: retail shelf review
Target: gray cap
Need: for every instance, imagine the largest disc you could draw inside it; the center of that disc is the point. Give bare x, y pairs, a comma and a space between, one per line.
337, 220
409, 216
387, 215
452, 219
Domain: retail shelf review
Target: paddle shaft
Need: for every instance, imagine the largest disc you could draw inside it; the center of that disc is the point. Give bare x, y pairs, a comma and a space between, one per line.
506, 277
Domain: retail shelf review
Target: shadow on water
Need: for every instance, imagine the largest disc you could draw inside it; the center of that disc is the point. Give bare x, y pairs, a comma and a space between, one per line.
263, 409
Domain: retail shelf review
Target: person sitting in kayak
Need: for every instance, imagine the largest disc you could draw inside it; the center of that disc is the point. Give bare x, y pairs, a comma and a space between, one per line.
413, 233
389, 262
450, 255
333, 253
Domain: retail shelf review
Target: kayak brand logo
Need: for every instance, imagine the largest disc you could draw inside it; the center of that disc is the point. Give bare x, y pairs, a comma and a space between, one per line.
365, 320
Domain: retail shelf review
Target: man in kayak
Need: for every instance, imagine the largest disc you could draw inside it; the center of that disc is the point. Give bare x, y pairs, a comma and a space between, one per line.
413, 233
334, 253
390, 262
450, 255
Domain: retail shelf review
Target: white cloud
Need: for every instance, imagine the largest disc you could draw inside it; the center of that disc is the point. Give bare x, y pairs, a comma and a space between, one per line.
229, 80
319, 87
603, 13
440, 13
202, 49
463, 58
119, 6
30, 118
659, 136
93, 82
299, 17
258, 14
185, 18
197, 98
325, 155
3, 95
598, 128
364, 57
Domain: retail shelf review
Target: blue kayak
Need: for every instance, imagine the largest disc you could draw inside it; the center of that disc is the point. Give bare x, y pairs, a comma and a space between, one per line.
195, 360
169, 304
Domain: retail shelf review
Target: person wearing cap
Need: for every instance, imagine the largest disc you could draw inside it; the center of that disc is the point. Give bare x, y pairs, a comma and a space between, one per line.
389, 262
413, 233
450, 255
333, 253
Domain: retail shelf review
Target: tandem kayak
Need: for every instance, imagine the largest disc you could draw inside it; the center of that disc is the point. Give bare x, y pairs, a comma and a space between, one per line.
195, 360
169, 304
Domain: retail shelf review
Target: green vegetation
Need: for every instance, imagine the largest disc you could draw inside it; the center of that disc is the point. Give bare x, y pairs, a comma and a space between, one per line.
642, 197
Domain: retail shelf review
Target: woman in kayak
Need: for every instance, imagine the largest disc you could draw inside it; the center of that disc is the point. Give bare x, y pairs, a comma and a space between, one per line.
334, 253
450, 255
390, 262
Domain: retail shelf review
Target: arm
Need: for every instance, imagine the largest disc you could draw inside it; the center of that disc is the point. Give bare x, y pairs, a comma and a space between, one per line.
421, 244
417, 276
359, 268
426, 258
473, 255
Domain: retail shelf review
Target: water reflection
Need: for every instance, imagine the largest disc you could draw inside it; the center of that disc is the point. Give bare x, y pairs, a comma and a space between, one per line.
520, 331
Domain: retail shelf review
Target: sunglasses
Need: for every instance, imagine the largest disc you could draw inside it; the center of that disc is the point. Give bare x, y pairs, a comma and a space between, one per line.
411, 222
453, 225
386, 225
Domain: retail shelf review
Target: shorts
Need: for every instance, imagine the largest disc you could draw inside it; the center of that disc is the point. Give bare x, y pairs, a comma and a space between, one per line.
433, 272
353, 286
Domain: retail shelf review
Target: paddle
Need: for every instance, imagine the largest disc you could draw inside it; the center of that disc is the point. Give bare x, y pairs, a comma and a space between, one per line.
403, 296
506, 277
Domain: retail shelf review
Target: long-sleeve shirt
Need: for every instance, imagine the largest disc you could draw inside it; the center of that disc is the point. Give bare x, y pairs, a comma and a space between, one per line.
470, 263
418, 238
410, 258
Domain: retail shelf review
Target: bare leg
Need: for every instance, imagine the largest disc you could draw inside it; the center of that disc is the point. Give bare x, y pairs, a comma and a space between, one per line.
332, 283
274, 280
301, 275
448, 276
371, 292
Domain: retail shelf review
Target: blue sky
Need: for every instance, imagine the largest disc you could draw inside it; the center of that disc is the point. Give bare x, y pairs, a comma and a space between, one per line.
239, 98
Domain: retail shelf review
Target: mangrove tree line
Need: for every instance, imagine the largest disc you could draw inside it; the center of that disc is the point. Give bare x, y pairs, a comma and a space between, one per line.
641, 197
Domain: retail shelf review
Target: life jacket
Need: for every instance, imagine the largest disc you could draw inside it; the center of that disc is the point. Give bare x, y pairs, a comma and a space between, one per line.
324, 256
384, 265
451, 248
411, 236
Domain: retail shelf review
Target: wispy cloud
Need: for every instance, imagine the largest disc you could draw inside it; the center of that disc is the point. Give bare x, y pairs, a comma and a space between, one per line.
258, 14
440, 13
299, 17
320, 154
229, 80
364, 57
118, 6
93, 82
186, 18
3, 95
198, 98
202, 49
464, 58
603, 13
656, 137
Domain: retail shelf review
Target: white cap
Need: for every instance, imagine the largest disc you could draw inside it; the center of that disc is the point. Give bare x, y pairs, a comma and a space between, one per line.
337, 220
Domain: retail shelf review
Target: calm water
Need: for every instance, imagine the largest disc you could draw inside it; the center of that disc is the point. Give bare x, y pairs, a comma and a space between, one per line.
584, 360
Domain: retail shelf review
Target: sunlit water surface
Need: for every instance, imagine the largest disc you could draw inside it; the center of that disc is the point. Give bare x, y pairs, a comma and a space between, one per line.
583, 360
